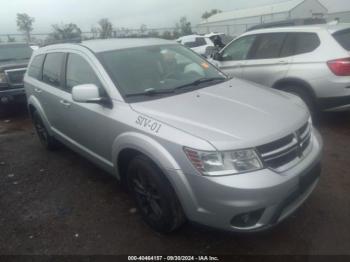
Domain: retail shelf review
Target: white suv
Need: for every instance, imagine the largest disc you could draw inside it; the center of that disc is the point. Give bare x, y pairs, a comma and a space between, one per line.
197, 43
312, 62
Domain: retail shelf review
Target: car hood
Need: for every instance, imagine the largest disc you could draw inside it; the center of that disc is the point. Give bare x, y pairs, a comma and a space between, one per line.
234, 114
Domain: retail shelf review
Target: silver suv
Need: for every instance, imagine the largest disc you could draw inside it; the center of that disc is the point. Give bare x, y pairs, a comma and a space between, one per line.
186, 140
312, 62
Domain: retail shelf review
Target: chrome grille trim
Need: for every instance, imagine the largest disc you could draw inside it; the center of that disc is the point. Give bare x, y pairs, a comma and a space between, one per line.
287, 151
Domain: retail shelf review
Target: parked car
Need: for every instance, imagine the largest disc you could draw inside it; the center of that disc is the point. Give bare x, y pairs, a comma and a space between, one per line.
188, 142
220, 40
291, 22
14, 58
197, 43
312, 62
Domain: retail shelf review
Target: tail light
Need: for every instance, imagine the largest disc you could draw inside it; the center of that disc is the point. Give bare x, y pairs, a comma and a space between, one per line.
340, 67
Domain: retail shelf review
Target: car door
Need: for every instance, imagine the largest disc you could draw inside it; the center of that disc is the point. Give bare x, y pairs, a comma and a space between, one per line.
233, 57
51, 91
266, 62
90, 126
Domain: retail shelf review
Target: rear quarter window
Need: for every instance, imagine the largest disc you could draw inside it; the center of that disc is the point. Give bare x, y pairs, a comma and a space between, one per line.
300, 43
36, 67
343, 38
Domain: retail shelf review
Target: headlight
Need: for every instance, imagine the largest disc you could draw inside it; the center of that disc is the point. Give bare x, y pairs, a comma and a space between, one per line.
224, 163
3, 78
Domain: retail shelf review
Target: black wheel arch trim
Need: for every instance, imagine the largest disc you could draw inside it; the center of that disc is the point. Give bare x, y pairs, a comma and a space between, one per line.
297, 82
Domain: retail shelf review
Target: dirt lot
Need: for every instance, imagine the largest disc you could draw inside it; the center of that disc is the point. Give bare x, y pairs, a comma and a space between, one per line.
59, 203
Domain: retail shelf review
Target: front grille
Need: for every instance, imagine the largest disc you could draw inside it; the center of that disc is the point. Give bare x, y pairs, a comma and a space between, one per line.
15, 76
286, 150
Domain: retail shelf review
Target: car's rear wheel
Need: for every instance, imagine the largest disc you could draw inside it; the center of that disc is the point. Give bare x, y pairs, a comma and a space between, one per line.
48, 141
306, 97
155, 198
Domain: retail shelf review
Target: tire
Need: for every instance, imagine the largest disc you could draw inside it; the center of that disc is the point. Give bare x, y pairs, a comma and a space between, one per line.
48, 141
306, 97
154, 196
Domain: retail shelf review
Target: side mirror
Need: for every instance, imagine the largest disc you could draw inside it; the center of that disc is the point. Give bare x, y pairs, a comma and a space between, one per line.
88, 93
217, 56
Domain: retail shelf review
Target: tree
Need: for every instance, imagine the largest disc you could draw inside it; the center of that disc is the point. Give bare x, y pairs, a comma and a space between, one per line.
143, 29
105, 28
66, 32
206, 15
183, 27
25, 25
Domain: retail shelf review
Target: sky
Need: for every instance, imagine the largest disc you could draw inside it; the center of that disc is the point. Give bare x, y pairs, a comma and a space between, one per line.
122, 13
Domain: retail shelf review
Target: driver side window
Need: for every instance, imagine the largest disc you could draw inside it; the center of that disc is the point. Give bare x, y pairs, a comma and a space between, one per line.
80, 72
239, 49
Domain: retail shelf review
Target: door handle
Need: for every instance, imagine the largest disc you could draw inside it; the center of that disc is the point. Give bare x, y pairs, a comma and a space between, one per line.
65, 103
283, 62
37, 90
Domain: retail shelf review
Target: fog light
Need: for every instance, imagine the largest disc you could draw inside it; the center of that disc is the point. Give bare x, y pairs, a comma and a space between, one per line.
247, 219
4, 99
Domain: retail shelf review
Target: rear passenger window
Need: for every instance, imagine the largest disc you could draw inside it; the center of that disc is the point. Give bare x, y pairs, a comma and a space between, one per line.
268, 46
343, 38
79, 72
52, 69
35, 69
300, 43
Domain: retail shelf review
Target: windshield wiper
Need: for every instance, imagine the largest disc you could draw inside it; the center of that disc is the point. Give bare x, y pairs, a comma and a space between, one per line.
151, 92
201, 81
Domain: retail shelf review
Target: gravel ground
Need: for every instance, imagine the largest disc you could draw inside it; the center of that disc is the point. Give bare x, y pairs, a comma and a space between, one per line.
59, 203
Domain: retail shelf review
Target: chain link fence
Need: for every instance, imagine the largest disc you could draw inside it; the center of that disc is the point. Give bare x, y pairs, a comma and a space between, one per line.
166, 33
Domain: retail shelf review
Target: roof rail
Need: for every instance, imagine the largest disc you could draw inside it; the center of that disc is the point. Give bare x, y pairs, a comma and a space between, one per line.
63, 41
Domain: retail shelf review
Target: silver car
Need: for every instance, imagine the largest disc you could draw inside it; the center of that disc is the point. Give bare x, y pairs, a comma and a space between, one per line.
189, 142
312, 62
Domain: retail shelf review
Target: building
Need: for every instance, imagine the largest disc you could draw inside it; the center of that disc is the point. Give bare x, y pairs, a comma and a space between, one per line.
238, 21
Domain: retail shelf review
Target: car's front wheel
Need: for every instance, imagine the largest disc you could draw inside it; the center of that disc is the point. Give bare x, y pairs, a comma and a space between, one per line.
155, 198
48, 141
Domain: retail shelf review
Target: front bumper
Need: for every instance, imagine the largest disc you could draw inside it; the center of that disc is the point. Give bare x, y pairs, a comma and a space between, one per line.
269, 197
10, 96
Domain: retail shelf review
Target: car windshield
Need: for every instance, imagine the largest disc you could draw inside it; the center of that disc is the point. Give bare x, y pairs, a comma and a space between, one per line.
15, 52
158, 70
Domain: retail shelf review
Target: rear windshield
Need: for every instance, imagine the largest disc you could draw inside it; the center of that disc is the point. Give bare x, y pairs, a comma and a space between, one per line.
15, 52
343, 38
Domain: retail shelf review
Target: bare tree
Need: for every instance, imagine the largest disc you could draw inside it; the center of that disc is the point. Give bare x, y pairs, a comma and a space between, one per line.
25, 25
183, 27
143, 29
65, 32
105, 28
